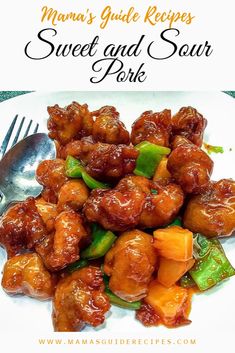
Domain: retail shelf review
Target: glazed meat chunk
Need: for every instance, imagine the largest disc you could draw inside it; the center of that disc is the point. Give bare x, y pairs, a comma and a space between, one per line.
103, 161
72, 194
152, 127
163, 200
62, 247
21, 227
111, 162
51, 174
130, 264
108, 128
162, 203
134, 201
48, 213
189, 123
26, 274
118, 209
69, 123
189, 166
212, 213
179, 141
80, 300
78, 149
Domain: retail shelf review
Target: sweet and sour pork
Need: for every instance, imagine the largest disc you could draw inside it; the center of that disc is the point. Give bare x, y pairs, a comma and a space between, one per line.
212, 212
134, 201
130, 263
45, 237
79, 300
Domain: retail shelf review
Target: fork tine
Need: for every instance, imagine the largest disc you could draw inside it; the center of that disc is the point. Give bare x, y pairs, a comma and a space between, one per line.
36, 129
18, 132
28, 128
7, 137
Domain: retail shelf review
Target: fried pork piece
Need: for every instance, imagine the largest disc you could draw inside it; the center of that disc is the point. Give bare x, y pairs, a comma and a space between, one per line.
21, 227
80, 300
162, 202
111, 162
147, 315
189, 166
103, 161
179, 141
48, 212
69, 123
78, 149
152, 127
62, 248
51, 174
118, 209
108, 128
189, 123
26, 274
212, 213
130, 264
134, 201
72, 194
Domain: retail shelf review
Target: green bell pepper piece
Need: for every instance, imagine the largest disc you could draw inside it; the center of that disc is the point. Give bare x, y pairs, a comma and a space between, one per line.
186, 281
218, 244
102, 240
176, 222
92, 183
201, 246
153, 192
73, 167
149, 157
211, 269
115, 300
77, 265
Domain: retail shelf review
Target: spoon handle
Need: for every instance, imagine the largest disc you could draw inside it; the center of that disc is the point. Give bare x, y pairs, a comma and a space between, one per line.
3, 203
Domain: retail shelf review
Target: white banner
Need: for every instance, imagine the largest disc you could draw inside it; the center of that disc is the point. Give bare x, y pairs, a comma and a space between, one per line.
117, 45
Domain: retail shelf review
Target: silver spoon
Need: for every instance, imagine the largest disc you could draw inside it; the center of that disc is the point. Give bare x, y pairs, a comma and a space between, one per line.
18, 167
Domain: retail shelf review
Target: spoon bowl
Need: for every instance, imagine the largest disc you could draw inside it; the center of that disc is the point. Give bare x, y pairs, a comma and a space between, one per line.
18, 168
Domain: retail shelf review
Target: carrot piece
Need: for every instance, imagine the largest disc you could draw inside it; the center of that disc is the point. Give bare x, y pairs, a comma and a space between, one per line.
171, 304
174, 243
161, 171
170, 271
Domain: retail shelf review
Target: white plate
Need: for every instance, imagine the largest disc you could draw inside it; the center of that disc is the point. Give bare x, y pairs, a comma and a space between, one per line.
214, 309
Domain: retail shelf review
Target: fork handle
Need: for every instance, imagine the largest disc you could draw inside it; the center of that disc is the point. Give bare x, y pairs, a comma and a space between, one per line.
3, 203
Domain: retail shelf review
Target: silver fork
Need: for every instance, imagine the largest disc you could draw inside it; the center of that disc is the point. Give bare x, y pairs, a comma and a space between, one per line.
9, 134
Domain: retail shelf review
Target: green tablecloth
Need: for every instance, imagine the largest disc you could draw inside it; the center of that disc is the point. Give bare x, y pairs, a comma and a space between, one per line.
10, 94
231, 93
4, 95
